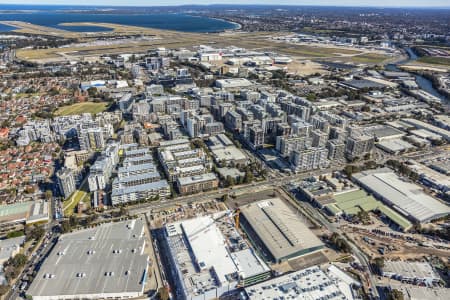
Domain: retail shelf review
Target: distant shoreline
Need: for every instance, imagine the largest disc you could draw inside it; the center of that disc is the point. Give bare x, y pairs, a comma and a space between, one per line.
237, 24
162, 21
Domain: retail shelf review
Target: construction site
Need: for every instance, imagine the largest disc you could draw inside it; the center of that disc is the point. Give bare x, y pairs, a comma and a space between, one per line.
212, 254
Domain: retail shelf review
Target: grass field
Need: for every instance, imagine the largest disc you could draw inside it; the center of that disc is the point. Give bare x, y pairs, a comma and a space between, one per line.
443, 61
84, 107
70, 204
365, 58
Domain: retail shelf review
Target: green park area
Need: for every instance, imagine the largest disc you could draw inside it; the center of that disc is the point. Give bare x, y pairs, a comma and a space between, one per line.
70, 204
83, 107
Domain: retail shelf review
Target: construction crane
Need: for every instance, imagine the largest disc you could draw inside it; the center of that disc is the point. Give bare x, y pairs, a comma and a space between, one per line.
237, 212
229, 214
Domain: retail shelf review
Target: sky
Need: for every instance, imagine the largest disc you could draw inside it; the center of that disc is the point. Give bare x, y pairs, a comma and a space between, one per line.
377, 3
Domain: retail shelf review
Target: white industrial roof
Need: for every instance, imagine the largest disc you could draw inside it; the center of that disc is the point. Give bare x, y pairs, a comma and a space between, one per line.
420, 270
408, 198
208, 246
248, 263
206, 259
310, 283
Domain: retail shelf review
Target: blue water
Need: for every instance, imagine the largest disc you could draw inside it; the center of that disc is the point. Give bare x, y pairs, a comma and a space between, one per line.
423, 82
52, 16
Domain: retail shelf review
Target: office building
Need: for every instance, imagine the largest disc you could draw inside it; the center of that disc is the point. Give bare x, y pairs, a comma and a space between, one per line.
66, 182
198, 183
358, 145
309, 159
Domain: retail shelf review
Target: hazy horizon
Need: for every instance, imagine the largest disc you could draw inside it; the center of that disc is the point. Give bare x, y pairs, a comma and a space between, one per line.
146, 3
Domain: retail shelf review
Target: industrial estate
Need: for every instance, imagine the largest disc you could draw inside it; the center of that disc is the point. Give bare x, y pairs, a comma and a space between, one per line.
304, 154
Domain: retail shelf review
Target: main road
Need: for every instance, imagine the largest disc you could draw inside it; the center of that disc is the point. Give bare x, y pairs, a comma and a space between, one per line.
247, 188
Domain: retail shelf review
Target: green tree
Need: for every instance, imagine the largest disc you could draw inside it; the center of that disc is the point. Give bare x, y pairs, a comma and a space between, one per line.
4, 289
73, 221
123, 211
230, 181
92, 92
163, 293
48, 194
248, 176
14, 234
19, 260
65, 226
395, 295
339, 242
379, 263
36, 233
350, 169
311, 97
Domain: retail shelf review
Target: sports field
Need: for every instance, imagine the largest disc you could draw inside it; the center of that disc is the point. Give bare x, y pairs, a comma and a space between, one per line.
84, 107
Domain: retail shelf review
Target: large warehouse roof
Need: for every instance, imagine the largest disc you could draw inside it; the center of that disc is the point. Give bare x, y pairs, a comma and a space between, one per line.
310, 283
407, 198
209, 257
280, 228
106, 261
405, 269
352, 202
208, 246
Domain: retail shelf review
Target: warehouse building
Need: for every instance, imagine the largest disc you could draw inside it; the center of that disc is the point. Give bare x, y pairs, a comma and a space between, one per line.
407, 198
430, 177
411, 272
310, 283
210, 259
14, 216
106, 262
277, 231
445, 134
383, 132
224, 151
352, 202
233, 83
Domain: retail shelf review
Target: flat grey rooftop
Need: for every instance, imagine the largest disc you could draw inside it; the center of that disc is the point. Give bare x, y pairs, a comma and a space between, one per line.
141, 188
196, 179
406, 197
108, 259
410, 269
280, 228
